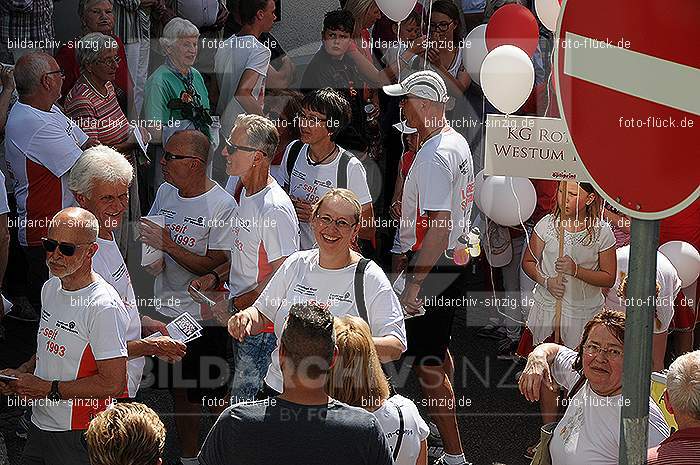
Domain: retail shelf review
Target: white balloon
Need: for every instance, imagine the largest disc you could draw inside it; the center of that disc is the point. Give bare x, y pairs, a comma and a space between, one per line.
507, 77
478, 182
685, 258
396, 10
548, 12
474, 52
504, 208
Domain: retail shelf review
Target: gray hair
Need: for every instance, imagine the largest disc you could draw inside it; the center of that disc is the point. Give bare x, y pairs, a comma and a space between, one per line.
177, 28
262, 133
99, 163
29, 70
84, 5
91, 45
683, 384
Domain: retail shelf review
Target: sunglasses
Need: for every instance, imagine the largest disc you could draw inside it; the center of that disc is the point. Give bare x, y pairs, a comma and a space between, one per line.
233, 147
66, 248
167, 156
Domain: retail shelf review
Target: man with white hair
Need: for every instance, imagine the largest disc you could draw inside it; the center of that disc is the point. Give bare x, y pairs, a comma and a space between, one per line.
41, 145
682, 399
435, 210
80, 363
100, 182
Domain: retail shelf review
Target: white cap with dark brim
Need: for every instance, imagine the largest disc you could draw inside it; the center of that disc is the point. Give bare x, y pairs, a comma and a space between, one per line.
423, 84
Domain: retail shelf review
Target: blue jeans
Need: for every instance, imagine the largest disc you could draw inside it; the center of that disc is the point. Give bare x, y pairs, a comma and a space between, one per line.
252, 357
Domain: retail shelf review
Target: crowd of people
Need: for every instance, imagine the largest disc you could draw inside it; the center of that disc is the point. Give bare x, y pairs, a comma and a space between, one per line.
183, 207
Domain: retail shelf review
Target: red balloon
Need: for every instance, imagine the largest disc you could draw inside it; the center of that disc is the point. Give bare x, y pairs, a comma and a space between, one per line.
513, 24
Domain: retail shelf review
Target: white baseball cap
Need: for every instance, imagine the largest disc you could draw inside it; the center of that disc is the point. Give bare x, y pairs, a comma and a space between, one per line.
423, 84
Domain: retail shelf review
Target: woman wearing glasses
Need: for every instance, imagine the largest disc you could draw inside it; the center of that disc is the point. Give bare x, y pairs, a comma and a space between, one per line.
92, 104
95, 16
333, 275
592, 375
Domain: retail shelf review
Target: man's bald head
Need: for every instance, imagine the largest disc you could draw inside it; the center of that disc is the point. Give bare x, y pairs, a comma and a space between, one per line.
74, 224
29, 70
191, 142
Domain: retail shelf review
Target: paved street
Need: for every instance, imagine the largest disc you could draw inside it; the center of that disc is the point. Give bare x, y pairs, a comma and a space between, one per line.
496, 423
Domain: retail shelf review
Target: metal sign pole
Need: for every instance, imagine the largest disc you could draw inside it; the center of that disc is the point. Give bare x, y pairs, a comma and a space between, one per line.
641, 307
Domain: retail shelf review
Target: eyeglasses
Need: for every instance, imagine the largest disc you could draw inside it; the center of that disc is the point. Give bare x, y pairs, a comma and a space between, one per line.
611, 353
341, 223
171, 156
61, 71
66, 248
114, 61
233, 147
442, 26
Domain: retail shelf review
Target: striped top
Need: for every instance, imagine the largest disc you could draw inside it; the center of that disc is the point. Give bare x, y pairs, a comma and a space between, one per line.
99, 117
132, 23
681, 448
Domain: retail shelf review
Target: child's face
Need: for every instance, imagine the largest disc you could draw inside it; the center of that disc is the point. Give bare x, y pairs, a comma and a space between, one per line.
409, 31
576, 198
336, 42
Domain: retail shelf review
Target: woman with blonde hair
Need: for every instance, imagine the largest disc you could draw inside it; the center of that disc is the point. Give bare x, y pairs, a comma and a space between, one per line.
332, 275
358, 380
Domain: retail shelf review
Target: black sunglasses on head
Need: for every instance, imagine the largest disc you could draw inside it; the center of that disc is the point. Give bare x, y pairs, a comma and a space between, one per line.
66, 248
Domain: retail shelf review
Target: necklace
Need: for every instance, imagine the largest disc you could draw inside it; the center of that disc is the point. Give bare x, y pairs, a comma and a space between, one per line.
316, 163
92, 86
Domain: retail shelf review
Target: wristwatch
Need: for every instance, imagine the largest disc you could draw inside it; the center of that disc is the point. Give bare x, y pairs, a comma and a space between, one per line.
54, 394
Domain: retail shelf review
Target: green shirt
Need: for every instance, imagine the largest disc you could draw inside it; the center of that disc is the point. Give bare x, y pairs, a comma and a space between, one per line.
163, 86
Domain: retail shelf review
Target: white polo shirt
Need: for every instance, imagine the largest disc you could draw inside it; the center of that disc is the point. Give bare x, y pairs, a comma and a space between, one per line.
77, 329
441, 178
40, 148
264, 229
109, 263
197, 224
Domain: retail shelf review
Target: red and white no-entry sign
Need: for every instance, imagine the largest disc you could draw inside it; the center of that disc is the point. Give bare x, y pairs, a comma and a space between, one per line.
629, 90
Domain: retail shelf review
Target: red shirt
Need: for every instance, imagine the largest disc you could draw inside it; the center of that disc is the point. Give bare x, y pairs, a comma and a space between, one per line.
681, 448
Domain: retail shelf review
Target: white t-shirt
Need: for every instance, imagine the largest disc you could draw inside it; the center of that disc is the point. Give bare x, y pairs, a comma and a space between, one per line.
310, 183
581, 300
301, 279
77, 328
589, 432
40, 148
441, 178
234, 57
666, 277
264, 228
196, 224
415, 428
109, 263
